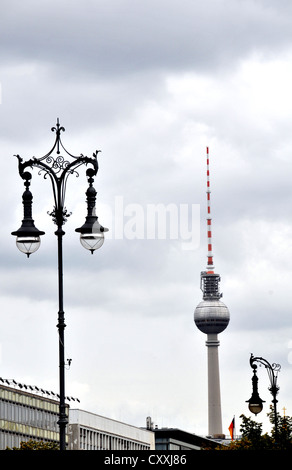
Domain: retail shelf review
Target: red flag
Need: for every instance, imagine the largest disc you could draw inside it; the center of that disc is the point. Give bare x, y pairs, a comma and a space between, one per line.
232, 428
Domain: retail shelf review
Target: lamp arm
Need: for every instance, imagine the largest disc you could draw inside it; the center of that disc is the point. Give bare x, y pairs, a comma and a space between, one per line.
58, 181
272, 370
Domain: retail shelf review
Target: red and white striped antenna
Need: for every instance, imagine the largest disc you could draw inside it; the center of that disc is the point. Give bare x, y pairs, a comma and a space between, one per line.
210, 266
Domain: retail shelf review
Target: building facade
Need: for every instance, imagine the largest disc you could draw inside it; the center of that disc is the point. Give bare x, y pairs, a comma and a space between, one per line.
25, 416
177, 440
89, 431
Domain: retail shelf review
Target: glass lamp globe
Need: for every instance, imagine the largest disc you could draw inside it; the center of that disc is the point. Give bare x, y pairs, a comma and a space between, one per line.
28, 245
92, 241
255, 408
91, 233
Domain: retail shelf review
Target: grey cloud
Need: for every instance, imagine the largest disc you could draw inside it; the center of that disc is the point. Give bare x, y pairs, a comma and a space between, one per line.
122, 37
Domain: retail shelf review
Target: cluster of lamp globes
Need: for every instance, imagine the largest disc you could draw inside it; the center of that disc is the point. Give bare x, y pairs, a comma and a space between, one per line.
29, 243
28, 236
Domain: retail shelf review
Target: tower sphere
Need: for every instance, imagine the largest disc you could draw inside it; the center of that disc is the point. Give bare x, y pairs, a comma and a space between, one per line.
211, 316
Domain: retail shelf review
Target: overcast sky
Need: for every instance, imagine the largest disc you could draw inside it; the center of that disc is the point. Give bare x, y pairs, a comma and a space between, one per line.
151, 84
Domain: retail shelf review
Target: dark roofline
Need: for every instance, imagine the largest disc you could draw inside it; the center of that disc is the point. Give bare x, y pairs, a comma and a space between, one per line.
184, 436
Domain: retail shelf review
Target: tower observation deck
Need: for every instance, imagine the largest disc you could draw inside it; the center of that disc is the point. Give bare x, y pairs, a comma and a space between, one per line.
211, 315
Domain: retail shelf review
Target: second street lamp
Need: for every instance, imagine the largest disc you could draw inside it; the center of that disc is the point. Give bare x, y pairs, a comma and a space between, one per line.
55, 167
255, 402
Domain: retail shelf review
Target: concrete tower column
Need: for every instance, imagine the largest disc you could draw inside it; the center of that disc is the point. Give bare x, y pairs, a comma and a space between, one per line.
214, 396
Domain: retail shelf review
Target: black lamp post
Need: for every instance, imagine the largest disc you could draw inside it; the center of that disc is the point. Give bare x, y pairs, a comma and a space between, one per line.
58, 169
255, 402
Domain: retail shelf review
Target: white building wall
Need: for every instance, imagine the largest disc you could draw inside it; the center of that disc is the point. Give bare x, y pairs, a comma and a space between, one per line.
94, 432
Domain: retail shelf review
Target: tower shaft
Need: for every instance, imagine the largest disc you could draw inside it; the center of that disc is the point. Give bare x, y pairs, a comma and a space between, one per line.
214, 394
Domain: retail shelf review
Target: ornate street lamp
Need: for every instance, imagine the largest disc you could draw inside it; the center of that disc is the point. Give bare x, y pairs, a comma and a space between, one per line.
255, 402
58, 168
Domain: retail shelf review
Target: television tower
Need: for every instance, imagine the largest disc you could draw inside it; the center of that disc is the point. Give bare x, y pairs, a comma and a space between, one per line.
212, 317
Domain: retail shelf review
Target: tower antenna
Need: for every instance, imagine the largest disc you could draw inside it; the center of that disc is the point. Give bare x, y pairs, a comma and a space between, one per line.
209, 280
210, 266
